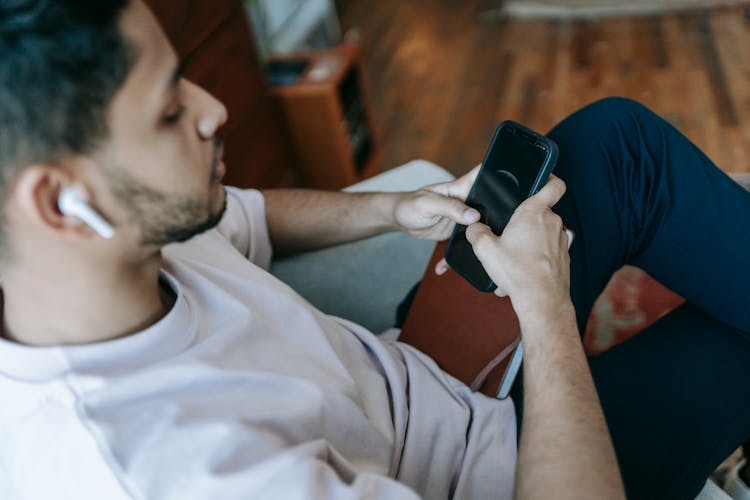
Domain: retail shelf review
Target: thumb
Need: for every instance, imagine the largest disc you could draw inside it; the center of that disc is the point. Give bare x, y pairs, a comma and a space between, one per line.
550, 194
482, 239
454, 209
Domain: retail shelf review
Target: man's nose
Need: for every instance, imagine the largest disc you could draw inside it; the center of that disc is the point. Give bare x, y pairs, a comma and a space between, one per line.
214, 116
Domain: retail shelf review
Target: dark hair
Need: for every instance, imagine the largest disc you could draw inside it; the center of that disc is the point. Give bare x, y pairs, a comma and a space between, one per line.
61, 62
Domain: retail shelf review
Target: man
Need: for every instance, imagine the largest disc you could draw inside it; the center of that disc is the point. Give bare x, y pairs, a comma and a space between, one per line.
134, 367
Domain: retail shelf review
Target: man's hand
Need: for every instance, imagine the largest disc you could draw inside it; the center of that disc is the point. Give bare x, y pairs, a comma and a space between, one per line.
530, 261
432, 212
565, 449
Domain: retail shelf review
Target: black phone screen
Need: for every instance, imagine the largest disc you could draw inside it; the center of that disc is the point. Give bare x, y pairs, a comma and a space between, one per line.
505, 180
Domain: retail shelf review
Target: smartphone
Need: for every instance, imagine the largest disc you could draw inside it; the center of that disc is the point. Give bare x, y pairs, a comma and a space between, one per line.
516, 166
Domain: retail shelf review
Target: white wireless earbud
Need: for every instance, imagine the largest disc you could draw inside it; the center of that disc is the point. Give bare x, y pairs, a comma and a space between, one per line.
71, 204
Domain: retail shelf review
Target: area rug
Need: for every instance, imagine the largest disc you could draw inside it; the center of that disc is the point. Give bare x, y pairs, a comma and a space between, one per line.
597, 9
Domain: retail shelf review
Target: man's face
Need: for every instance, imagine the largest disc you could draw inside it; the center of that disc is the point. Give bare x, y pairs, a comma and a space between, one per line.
162, 162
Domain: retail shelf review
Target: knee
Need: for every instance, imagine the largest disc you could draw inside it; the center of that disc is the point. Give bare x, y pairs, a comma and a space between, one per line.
621, 109
606, 118
616, 105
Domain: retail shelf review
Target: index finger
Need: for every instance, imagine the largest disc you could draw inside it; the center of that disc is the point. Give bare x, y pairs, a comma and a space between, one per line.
467, 180
458, 188
550, 194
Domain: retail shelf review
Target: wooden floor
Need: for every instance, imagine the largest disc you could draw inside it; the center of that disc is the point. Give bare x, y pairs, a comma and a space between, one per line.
441, 76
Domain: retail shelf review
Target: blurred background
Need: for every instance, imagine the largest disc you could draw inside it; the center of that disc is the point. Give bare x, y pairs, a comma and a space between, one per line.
441, 74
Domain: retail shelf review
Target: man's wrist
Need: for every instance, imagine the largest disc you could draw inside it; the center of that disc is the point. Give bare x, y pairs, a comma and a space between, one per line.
387, 206
384, 210
542, 313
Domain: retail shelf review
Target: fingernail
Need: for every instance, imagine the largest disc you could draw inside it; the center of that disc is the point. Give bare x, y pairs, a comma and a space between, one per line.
471, 214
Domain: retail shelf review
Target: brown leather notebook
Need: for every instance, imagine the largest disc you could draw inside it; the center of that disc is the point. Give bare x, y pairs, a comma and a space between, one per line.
470, 334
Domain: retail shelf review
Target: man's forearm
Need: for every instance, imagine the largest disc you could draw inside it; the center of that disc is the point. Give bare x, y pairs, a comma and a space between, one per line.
303, 219
565, 450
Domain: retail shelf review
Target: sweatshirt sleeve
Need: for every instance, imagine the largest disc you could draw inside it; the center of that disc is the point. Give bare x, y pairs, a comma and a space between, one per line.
244, 224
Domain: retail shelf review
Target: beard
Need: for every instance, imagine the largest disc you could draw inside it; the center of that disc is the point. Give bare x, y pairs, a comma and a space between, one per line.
163, 218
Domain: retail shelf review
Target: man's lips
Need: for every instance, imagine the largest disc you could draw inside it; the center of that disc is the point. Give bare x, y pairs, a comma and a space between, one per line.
219, 167
220, 170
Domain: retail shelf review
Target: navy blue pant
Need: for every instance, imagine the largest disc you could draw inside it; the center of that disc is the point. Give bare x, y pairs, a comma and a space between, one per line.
676, 396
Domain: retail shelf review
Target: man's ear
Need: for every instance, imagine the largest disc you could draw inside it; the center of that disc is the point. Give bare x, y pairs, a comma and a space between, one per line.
35, 195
